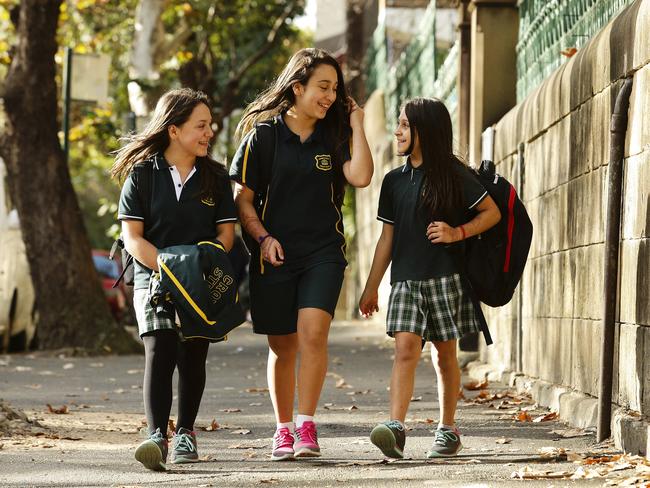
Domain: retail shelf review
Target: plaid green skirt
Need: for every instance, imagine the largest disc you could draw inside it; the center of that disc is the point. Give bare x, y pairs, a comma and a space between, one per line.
148, 319
437, 309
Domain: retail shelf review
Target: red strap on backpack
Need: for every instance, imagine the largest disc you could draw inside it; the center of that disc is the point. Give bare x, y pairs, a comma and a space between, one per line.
511, 227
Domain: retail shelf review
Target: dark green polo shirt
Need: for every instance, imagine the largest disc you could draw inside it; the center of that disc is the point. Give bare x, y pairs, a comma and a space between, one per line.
414, 257
187, 220
299, 211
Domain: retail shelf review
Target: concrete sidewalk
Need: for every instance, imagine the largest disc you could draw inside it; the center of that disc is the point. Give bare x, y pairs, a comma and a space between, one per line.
93, 444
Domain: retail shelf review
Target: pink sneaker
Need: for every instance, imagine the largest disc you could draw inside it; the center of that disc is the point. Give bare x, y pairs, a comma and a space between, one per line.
282, 445
306, 441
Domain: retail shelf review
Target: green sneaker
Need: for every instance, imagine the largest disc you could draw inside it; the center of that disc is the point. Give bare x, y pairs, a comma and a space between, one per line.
446, 443
390, 438
152, 453
184, 447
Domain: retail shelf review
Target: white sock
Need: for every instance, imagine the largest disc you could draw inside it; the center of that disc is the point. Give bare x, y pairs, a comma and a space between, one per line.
288, 425
301, 419
448, 427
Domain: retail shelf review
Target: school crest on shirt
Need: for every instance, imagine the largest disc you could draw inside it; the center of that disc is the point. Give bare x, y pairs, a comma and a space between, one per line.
209, 201
323, 162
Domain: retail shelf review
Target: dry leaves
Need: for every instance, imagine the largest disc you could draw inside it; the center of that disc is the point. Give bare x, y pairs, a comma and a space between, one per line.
61, 410
256, 390
594, 467
340, 381
569, 433
214, 425
241, 432
476, 385
503, 440
546, 417
231, 410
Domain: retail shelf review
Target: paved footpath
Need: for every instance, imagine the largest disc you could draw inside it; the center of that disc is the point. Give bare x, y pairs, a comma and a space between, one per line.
93, 444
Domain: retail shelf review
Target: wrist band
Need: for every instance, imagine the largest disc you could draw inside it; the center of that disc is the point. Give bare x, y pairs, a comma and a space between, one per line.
462, 230
261, 239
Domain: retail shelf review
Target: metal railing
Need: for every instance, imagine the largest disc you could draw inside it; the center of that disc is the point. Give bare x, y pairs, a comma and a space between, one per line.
415, 72
548, 27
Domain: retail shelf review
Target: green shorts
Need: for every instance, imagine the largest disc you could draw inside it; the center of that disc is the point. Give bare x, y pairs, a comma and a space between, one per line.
274, 306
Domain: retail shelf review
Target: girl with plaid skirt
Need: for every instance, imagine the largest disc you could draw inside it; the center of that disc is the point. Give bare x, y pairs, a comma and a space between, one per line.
427, 204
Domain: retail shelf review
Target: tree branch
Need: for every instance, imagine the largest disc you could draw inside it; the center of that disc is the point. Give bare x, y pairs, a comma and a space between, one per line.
270, 41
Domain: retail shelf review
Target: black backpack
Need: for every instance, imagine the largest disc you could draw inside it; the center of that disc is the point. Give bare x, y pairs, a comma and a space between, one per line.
494, 260
144, 177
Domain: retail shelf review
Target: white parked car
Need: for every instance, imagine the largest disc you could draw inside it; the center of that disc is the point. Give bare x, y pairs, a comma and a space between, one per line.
17, 311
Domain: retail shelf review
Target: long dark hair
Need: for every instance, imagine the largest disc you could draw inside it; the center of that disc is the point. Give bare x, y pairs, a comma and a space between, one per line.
279, 98
174, 108
442, 193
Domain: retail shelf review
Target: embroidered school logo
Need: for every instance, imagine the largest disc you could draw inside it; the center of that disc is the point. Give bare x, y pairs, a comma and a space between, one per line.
323, 162
208, 201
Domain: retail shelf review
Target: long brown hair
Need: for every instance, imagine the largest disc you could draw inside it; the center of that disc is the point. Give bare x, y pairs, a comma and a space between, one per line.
441, 186
279, 98
174, 108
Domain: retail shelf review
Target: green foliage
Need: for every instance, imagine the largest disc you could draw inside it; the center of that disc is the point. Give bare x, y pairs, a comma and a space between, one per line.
223, 36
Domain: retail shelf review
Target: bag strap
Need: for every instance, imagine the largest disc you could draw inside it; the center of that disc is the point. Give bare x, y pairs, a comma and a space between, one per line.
267, 134
144, 176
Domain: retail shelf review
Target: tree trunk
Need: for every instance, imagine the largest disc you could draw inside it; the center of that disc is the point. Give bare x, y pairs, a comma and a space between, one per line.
72, 309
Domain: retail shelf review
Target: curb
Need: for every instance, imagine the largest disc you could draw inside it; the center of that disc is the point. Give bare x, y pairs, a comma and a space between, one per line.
631, 432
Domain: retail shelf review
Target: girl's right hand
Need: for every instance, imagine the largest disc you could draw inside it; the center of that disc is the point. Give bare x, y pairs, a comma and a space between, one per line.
368, 304
272, 252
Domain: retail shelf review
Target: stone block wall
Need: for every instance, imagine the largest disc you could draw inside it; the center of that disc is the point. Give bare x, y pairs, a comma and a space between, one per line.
564, 127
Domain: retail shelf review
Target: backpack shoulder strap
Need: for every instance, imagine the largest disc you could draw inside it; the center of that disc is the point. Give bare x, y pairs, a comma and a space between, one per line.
144, 177
266, 132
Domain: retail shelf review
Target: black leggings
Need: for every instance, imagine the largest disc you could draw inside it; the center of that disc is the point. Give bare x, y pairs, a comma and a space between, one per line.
163, 351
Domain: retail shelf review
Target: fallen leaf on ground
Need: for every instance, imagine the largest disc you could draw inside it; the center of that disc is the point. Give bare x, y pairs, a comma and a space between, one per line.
270, 481
528, 473
551, 452
546, 417
416, 399
256, 390
212, 427
241, 431
231, 410
476, 385
569, 433
340, 381
503, 440
254, 404
60, 410
68, 366
33, 387
523, 417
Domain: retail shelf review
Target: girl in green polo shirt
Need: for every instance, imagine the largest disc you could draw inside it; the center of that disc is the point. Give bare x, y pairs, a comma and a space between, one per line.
425, 205
188, 199
304, 141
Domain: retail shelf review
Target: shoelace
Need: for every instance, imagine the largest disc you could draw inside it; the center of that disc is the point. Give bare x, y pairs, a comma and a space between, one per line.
157, 436
395, 424
307, 434
184, 442
443, 436
283, 438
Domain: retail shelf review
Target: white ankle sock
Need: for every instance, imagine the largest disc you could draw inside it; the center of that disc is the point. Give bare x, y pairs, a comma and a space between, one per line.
448, 427
288, 425
301, 419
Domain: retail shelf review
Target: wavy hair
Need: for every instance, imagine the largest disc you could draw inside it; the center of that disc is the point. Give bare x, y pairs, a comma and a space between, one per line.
174, 108
279, 98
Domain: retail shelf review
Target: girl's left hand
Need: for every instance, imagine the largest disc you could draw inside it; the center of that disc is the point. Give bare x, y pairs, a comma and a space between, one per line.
440, 232
356, 114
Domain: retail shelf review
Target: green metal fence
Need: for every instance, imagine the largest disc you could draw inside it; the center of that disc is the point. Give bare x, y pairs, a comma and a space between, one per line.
414, 73
547, 27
